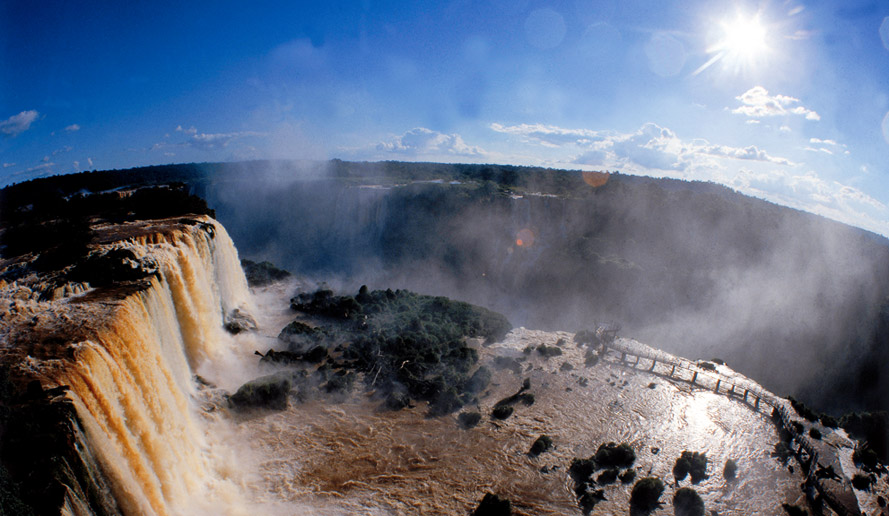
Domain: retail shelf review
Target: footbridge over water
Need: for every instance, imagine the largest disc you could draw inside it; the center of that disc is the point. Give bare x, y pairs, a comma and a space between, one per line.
821, 462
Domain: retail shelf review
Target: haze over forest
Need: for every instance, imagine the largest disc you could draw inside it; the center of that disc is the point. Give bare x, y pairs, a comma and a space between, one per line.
785, 101
794, 300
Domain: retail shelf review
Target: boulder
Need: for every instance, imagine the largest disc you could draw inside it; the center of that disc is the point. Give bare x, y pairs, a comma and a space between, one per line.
264, 392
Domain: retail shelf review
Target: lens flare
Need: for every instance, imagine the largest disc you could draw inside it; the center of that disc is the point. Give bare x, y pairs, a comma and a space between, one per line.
595, 179
524, 238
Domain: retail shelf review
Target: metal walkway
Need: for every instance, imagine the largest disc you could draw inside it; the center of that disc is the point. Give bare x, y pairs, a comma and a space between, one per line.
812, 457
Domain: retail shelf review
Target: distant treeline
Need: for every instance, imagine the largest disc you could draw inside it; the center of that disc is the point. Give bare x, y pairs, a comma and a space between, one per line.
793, 299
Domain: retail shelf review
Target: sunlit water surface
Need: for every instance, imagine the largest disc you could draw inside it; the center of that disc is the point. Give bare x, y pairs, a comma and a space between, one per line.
349, 456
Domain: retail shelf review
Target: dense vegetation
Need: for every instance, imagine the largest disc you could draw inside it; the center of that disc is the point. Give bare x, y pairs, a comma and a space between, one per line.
691, 463
262, 273
611, 457
58, 227
646, 494
409, 346
687, 502
596, 240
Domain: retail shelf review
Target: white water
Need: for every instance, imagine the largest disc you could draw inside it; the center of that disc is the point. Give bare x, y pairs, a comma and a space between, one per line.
133, 385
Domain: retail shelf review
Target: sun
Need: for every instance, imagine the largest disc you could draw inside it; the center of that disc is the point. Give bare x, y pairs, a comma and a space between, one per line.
745, 38
742, 43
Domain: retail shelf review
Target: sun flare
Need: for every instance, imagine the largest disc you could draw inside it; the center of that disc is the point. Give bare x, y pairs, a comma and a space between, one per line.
741, 45
744, 38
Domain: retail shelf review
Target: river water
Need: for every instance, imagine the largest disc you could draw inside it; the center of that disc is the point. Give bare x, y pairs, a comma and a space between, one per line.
349, 456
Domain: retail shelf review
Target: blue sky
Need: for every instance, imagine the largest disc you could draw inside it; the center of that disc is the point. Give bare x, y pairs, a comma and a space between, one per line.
786, 100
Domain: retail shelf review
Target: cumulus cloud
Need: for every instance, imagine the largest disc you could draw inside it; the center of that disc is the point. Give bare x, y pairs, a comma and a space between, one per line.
757, 103
809, 192
650, 147
422, 141
17, 124
72, 128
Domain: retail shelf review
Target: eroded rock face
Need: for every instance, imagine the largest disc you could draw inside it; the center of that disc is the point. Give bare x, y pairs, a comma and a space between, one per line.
239, 321
265, 392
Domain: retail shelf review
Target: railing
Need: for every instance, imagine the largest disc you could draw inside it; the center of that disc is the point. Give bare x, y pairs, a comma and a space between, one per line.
734, 390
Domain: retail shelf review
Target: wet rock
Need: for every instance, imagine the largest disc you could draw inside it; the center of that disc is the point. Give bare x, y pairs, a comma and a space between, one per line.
493, 505
589, 499
479, 381
627, 476
548, 351
262, 273
542, 444
264, 392
239, 321
397, 401
793, 510
609, 476
508, 363
731, 470
502, 412
469, 419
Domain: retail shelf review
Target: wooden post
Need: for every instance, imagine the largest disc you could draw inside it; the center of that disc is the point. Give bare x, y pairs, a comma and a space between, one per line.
672, 371
718, 381
653, 363
745, 394
756, 405
733, 390
623, 356
694, 377
637, 361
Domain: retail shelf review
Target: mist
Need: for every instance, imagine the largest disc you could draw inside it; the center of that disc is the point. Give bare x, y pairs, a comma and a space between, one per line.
788, 298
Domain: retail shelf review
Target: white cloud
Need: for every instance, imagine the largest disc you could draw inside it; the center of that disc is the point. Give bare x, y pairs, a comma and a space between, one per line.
421, 141
19, 123
7, 165
207, 141
811, 193
90, 161
651, 147
757, 103
43, 166
72, 128
203, 141
549, 135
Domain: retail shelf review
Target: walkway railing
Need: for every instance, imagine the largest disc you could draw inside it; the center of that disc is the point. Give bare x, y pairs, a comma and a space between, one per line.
753, 396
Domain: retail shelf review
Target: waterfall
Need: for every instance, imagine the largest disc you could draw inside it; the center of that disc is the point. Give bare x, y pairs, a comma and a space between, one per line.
132, 383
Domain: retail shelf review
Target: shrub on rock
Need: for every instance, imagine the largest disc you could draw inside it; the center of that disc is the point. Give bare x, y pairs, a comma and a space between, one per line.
646, 493
691, 463
612, 455
687, 502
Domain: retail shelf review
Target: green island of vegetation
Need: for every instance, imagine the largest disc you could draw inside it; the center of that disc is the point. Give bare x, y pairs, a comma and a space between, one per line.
408, 346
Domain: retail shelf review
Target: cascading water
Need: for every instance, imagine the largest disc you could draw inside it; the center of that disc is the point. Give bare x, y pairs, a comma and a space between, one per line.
132, 384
